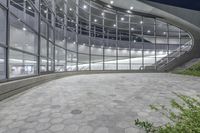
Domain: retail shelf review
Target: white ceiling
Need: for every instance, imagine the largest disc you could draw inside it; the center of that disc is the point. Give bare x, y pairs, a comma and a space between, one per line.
126, 4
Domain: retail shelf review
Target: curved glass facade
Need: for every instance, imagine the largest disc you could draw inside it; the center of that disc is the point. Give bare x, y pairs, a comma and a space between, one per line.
44, 36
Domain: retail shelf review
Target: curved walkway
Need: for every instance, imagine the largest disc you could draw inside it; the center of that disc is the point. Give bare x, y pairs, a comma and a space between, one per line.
99, 103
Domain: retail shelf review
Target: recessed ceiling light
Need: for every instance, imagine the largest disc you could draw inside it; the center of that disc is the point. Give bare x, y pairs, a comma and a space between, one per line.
102, 13
148, 31
84, 6
45, 11
111, 2
132, 29
24, 29
122, 19
29, 8
164, 33
131, 7
128, 11
70, 9
109, 6
114, 25
141, 22
134, 41
95, 20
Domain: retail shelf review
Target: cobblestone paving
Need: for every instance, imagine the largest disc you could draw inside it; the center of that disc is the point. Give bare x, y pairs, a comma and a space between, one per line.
100, 103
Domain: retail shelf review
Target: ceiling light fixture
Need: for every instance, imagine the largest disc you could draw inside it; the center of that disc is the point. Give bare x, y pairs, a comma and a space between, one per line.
24, 29
128, 11
95, 20
148, 31
131, 7
122, 19
111, 2
132, 29
85, 6
109, 6
45, 11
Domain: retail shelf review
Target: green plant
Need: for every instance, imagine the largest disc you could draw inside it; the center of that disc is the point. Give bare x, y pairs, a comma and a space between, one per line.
187, 120
194, 70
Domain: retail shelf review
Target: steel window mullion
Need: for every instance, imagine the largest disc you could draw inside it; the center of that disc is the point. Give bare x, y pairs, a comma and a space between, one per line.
129, 42
103, 48
155, 45
142, 26
65, 34
7, 40
167, 43
39, 44
116, 47
179, 35
53, 23
19, 50
90, 21
77, 23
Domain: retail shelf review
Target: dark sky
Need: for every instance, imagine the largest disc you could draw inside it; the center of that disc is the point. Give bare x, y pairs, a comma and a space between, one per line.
189, 4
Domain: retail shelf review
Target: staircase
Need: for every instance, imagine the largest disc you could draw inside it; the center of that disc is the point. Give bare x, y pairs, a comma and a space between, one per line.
161, 64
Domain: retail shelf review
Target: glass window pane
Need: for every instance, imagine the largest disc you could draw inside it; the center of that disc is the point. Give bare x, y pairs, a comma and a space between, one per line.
2, 64
59, 59
71, 61
21, 64
43, 45
43, 64
2, 26
22, 37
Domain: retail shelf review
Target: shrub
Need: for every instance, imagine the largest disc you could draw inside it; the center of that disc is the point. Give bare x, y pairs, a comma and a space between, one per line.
187, 120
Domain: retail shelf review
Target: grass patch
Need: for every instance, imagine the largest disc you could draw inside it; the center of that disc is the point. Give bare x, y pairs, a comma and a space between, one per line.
186, 121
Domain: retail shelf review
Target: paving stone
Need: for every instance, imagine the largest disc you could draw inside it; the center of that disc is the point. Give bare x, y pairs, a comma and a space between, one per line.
85, 129
57, 127
102, 130
71, 129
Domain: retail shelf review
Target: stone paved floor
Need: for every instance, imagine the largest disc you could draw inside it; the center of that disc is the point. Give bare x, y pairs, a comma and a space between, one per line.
101, 103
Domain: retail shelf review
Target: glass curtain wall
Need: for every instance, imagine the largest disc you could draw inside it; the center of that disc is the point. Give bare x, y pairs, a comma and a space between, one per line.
45, 36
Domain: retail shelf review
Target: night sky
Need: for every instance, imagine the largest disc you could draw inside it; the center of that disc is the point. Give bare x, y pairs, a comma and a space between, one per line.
189, 4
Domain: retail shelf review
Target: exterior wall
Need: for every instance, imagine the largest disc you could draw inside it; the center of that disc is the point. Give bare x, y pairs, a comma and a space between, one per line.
189, 20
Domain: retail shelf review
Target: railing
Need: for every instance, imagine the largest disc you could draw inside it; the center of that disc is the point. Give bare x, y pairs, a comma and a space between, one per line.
172, 56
